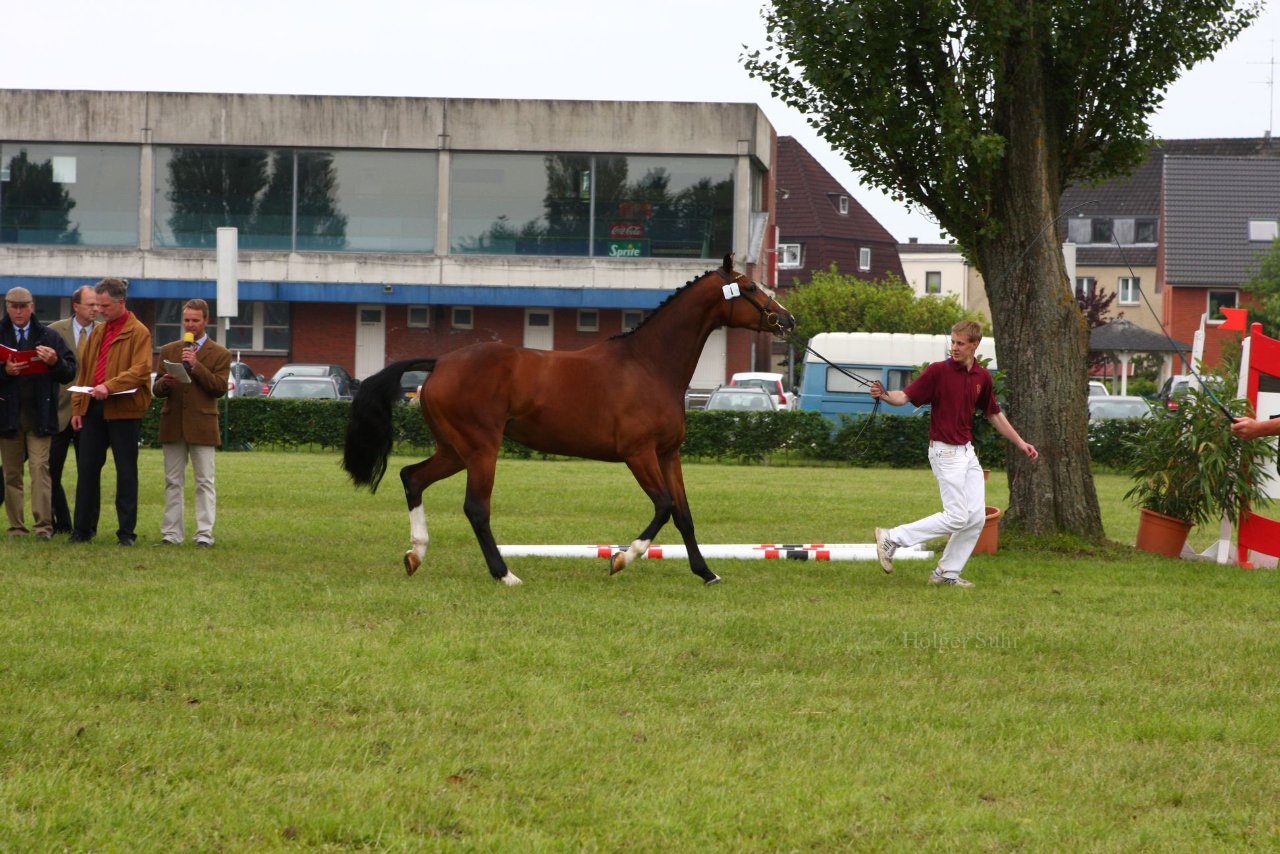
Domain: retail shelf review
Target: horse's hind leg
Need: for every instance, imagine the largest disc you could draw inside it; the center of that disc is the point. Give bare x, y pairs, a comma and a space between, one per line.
480, 473
416, 478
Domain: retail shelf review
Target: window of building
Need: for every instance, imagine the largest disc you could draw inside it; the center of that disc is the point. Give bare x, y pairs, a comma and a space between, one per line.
1100, 230
588, 320
864, 258
788, 255
260, 327
631, 318
462, 317
615, 206
49, 309
1130, 290
1218, 300
1262, 230
1086, 286
330, 201
1144, 231
933, 282
842, 204
420, 316
69, 195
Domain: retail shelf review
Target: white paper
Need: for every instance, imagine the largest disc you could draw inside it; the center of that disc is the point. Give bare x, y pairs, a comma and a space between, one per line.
178, 370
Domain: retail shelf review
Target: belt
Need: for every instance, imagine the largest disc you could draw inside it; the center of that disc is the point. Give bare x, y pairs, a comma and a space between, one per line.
935, 442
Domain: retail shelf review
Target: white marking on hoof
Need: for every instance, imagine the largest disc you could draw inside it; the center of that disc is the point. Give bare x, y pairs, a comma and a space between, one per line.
418, 537
622, 560
510, 579
715, 579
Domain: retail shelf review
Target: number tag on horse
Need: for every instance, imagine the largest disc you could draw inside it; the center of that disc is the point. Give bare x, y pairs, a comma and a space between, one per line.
732, 290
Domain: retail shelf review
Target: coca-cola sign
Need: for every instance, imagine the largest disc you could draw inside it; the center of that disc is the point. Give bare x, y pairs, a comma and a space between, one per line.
623, 230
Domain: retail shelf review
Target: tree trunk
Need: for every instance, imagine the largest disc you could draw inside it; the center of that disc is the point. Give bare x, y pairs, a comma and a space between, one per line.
1042, 342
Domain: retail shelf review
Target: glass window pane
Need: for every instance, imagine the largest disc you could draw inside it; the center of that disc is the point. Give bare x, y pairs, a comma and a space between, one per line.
663, 207
519, 204
168, 325
82, 195
367, 201
199, 190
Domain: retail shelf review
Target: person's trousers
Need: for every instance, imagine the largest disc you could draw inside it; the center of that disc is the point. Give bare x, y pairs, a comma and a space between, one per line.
964, 507
173, 526
97, 435
59, 445
19, 452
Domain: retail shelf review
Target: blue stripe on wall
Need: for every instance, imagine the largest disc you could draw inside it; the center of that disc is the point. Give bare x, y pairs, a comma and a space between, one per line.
473, 295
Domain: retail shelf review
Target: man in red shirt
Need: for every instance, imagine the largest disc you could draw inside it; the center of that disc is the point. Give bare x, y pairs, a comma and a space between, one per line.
954, 389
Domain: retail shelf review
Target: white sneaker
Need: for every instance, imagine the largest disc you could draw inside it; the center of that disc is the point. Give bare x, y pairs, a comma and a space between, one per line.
885, 548
935, 578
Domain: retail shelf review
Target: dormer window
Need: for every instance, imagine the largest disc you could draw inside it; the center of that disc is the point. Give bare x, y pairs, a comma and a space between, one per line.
842, 204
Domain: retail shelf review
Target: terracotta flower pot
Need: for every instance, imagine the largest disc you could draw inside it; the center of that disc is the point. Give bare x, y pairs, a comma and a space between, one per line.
989, 539
1161, 534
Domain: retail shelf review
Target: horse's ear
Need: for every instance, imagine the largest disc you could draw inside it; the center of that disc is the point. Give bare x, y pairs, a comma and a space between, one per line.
728, 263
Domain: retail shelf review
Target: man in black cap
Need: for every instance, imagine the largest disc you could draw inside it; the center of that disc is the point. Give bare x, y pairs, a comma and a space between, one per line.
37, 360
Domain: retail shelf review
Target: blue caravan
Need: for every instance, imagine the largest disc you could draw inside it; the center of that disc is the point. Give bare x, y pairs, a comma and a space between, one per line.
890, 357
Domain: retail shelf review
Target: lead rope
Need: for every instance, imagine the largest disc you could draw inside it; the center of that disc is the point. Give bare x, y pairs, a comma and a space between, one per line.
875, 408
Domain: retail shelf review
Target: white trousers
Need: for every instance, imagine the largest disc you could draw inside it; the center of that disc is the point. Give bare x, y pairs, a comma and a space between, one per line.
173, 526
964, 507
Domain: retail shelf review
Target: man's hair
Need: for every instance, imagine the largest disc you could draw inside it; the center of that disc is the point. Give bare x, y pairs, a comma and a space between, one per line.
199, 305
970, 329
77, 296
115, 288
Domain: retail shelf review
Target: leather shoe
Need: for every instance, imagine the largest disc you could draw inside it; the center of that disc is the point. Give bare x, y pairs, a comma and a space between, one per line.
76, 538
166, 543
43, 535
201, 544
124, 541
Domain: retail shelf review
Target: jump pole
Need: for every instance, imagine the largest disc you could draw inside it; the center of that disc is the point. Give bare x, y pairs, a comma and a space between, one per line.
739, 551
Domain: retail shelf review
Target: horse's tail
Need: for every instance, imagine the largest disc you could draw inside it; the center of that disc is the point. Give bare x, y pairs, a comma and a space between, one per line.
370, 427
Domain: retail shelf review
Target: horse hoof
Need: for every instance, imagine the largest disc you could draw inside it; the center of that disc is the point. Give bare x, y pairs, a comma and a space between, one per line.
714, 579
411, 562
617, 563
510, 579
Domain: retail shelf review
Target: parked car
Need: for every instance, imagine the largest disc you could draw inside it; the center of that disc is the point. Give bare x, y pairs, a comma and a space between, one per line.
1174, 387
1097, 389
243, 382
1118, 406
741, 399
300, 369
410, 383
311, 388
772, 383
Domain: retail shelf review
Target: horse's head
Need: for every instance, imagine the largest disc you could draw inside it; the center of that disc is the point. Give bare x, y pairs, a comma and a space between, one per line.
752, 305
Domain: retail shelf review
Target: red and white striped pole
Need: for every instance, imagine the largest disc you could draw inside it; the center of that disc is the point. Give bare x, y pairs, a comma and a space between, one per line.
731, 551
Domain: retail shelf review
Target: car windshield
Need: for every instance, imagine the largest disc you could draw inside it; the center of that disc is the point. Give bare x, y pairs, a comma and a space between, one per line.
303, 371
319, 388
741, 400
1118, 409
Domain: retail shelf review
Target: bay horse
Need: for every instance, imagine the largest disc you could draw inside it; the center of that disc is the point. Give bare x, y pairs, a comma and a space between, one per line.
621, 400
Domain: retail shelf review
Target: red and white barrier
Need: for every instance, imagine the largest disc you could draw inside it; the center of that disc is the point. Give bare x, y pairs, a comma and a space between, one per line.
731, 551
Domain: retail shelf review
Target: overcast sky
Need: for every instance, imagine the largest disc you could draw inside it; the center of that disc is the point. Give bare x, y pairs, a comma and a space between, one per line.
659, 50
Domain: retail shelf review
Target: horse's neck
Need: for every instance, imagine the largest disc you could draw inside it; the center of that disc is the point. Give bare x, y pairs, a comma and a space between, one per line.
674, 337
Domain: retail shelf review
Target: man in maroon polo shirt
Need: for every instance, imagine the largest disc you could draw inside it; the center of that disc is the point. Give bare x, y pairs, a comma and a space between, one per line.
954, 389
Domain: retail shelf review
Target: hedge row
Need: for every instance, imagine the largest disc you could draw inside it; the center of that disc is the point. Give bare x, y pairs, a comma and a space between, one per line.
900, 441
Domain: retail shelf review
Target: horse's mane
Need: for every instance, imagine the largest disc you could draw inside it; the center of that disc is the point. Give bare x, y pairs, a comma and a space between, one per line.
670, 298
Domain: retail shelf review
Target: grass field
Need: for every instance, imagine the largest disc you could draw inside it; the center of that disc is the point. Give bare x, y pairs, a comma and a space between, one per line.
292, 689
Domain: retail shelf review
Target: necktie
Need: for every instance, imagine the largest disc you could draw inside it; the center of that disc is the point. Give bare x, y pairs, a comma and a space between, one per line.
22, 338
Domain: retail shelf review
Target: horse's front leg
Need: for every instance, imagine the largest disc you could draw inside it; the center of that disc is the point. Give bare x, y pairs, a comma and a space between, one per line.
416, 478
480, 473
674, 476
649, 475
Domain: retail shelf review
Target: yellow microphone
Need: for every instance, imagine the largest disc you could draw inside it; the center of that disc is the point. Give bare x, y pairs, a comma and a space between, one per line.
188, 339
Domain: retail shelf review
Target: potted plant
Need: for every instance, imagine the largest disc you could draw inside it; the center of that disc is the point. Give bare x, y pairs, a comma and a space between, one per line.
1188, 470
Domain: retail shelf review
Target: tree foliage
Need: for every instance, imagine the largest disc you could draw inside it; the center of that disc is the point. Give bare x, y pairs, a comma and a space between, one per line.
834, 302
1265, 287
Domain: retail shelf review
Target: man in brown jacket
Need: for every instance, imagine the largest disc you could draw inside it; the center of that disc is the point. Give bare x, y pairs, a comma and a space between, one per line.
117, 371
189, 423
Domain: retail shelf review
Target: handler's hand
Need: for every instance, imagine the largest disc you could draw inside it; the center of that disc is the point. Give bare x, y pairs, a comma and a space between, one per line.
1030, 450
1251, 428
877, 390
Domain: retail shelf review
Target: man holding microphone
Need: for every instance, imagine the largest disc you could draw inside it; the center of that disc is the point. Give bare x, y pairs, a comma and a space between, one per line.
189, 426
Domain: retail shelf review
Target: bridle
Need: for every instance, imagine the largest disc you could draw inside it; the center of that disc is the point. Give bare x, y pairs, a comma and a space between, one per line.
769, 321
